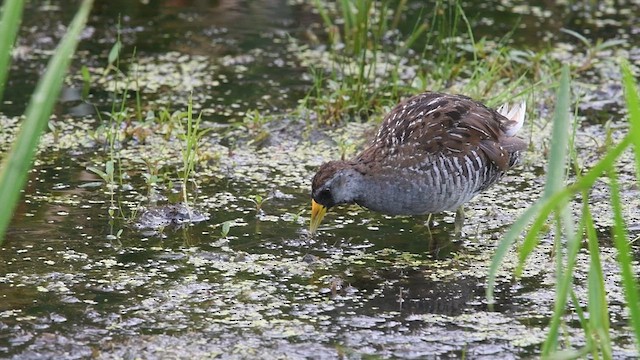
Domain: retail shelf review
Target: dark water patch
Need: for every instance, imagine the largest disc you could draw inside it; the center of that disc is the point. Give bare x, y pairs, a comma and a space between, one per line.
247, 41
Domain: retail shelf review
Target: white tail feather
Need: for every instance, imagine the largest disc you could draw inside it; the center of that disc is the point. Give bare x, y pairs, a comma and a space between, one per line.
516, 115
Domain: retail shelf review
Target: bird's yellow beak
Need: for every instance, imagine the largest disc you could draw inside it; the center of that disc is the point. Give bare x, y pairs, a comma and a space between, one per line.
317, 213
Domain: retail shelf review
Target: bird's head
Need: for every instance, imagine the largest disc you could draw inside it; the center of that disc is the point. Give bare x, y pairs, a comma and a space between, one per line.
336, 182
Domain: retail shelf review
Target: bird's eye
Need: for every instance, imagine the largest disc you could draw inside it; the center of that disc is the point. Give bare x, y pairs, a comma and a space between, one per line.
325, 194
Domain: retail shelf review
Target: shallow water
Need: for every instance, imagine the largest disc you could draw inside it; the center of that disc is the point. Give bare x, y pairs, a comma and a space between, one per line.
72, 286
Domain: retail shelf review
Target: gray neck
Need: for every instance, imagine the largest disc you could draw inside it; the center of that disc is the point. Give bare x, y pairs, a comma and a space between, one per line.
348, 186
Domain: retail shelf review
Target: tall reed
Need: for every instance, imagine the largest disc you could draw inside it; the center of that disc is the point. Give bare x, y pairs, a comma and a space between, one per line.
16, 165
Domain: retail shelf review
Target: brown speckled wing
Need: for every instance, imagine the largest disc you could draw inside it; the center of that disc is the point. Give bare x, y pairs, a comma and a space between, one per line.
433, 124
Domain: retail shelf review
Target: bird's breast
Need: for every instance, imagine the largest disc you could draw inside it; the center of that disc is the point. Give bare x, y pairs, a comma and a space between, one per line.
442, 183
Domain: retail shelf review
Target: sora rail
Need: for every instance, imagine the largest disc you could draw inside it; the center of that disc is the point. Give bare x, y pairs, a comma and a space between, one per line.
433, 152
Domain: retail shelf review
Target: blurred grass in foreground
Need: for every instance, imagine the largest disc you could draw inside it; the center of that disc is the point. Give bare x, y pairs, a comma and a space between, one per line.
18, 161
569, 232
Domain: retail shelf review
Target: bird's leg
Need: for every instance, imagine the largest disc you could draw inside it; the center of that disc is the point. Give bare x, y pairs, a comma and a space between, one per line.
459, 221
428, 225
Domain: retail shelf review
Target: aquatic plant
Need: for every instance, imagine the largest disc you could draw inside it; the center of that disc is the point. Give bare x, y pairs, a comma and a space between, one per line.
593, 48
259, 200
9, 25
151, 177
224, 229
371, 64
125, 122
16, 164
361, 65
568, 233
254, 123
191, 136
112, 131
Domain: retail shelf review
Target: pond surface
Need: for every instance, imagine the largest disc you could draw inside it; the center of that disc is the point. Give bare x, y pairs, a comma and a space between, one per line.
248, 281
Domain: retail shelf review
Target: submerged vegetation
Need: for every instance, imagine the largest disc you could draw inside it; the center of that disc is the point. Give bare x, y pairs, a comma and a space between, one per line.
252, 271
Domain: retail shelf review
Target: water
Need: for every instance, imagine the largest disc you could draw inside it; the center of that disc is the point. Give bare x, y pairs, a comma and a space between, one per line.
74, 287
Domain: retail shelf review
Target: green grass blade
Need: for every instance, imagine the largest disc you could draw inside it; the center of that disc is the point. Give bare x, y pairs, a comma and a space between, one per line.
554, 182
15, 167
597, 305
416, 34
633, 107
589, 339
347, 15
555, 177
557, 162
621, 239
9, 25
559, 138
326, 19
564, 276
460, 12
544, 207
397, 14
505, 244
578, 36
625, 260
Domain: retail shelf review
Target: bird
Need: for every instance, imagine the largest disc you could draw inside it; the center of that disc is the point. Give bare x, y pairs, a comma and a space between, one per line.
433, 152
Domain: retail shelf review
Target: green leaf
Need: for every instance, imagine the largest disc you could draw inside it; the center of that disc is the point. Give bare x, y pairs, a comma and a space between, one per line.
556, 171
621, 240
226, 226
114, 53
555, 181
578, 36
99, 172
110, 169
633, 107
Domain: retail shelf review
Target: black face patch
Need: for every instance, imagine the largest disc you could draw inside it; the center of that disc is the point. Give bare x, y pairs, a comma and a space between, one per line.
320, 192
324, 197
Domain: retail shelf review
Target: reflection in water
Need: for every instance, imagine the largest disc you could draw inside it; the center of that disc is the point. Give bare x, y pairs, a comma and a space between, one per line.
410, 291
